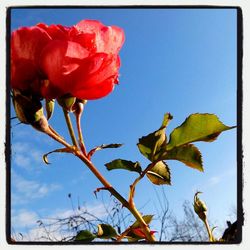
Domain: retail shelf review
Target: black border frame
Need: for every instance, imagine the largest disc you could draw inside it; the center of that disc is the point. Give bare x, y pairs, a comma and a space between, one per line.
240, 212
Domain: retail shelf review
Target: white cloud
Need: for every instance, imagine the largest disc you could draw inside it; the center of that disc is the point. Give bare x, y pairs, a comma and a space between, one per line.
98, 210
25, 154
25, 222
24, 218
27, 190
22, 161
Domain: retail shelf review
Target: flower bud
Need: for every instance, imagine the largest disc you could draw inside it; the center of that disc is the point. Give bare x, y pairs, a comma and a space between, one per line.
79, 106
67, 103
28, 109
200, 207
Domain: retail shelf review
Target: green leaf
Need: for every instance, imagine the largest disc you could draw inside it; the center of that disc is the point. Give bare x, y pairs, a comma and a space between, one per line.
106, 231
49, 105
188, 154
103, 146
160, 174
85, 236
124, 164
151, 144
147, 218
197, 127
112, 145
60, 150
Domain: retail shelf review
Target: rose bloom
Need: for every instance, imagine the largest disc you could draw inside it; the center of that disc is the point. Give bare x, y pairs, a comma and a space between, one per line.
52, 61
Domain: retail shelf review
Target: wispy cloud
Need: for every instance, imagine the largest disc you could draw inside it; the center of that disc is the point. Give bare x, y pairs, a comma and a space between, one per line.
24, 155
25, 222
27, 190
28, 133
24, 218
216, 179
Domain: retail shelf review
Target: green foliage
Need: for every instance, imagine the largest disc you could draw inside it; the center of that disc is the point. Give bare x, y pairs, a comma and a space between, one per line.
147, 218
103, 146
85, 236
151, 145
106, 231
197, 127
49, 106
188, 154
112, 145
124, 164
159, 174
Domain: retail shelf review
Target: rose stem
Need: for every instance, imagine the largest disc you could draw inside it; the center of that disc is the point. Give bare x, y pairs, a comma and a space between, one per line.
78, 114
70, 127
132, 187
124, 202
208, 230
106, 184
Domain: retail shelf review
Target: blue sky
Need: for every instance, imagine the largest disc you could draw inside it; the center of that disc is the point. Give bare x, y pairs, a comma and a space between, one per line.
180, 61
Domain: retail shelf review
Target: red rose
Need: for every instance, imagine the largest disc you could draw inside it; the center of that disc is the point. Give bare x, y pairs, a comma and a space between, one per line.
54, 60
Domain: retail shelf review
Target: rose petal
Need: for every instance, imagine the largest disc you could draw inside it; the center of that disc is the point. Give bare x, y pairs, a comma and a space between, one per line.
87, 40
96, 70
22, 73
59, 59
56, 32
89, 26
109, 39
28, 42
113, 39
49, 90
95, 92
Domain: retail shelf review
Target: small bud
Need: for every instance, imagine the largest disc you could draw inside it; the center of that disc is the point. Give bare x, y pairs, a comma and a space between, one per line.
67, 102
200, 207
28, 109
79, 106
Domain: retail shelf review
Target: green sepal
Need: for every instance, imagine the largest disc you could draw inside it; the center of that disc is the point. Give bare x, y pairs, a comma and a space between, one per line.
197, 127
151, 145
124, 164
49, 105
67, 102
160, 174
85, 236
106, 231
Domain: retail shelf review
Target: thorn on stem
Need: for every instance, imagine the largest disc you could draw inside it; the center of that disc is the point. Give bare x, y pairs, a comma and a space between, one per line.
99, 189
